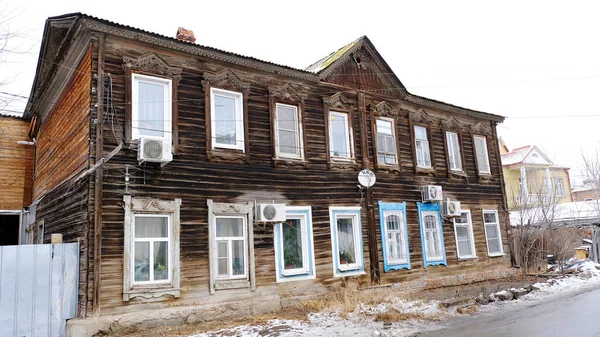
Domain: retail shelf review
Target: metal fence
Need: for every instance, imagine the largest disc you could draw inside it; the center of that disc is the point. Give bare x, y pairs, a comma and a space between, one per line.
38, 289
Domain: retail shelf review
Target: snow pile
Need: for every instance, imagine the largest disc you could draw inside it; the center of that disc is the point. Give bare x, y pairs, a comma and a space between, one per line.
426, 310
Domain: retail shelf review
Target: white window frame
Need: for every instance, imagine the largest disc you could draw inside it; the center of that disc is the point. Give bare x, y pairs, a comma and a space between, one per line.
424, 148
497, 224
151, 242
229, 240
437, 229
304, 214
399, 246
299, 140
148, 207
393, 136
168, 104
559, 182
239, 119
471, 240
349, 137
348, 269
454, 153
484, 155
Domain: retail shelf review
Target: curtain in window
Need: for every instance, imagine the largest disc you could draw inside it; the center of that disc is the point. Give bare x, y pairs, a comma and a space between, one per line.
432, 237
151, 109
422, 147
396, 244
483, 163
346, 249
292, 244
453, 151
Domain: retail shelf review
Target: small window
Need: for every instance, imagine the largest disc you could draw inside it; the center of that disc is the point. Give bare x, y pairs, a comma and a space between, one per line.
559, 187
431, 234
151, 107
492, 233
151, 261
386, 144
481, 154
392, 217
151, 245
453, 151
294, 246
230, 240
288, 134
463, 229
422, 147
339, 136
346, 241
227, 119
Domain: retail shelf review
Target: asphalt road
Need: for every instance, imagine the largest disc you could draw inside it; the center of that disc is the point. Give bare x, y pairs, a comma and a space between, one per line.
578, 315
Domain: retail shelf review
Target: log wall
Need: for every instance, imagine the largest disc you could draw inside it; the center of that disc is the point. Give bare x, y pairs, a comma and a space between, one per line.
194, 178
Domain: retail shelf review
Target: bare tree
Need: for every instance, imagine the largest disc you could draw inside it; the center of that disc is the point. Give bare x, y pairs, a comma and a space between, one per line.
8, 35
591, 170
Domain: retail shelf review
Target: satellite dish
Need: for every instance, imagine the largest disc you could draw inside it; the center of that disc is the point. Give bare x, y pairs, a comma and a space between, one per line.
366, 178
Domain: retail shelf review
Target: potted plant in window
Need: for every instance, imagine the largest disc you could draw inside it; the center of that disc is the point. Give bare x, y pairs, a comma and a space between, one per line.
346, 257
290, 251
161, 272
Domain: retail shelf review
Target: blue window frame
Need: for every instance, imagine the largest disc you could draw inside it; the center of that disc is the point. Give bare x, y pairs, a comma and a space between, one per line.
432, 235
394, 236
294, 247
346, 241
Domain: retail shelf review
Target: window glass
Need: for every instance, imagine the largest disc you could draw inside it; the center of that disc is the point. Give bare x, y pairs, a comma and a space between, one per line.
142, 261
422, 147
151, 227
346, 249
483, 163
454, 151
229, 227
464, 239
225, 120
433, 243
340, 143
151, 248
292, 244
151, 113
161, 260
492, 232
288, 130
386, 149
231, 247
238, 258
396, 245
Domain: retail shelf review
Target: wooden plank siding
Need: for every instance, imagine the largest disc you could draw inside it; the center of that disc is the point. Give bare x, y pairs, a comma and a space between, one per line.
17, 163
63, 138
67, 145
194, 178
62, 153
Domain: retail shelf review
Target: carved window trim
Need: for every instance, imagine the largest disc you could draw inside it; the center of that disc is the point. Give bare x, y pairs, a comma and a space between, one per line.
452, 125
146, 206
229, 81
152, 65
287, 94
384, 111
339, 103
236, 210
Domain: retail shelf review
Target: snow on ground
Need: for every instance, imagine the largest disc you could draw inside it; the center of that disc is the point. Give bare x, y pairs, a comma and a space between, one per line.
428, 315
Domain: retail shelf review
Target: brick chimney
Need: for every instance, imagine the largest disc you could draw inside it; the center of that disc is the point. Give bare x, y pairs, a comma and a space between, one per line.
185, 35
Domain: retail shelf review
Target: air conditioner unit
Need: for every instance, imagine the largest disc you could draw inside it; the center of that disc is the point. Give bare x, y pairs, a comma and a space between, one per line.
432, 193
270, 213
154, 150
451, 208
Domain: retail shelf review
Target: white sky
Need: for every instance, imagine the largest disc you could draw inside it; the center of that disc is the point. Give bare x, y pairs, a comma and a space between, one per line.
537, 63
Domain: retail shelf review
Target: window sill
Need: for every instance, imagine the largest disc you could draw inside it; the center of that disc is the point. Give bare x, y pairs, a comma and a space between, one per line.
231, 284
342, 164
388, 167
458, 174
290, 162
341, 273
151, 291
427, 170
485, 177
495, 254
467, 258
227, 155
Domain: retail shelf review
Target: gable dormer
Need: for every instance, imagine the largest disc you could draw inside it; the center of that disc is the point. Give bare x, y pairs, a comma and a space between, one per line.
358, 65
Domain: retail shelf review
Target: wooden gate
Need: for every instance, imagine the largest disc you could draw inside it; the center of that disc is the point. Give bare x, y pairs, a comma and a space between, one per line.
38, 289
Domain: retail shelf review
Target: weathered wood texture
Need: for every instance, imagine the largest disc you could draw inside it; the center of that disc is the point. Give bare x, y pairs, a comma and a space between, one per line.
65, 210
193, 177
63, 139
17, 163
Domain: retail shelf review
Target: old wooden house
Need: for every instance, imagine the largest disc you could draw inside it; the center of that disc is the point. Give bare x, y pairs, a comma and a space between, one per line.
196, 176
16, 166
